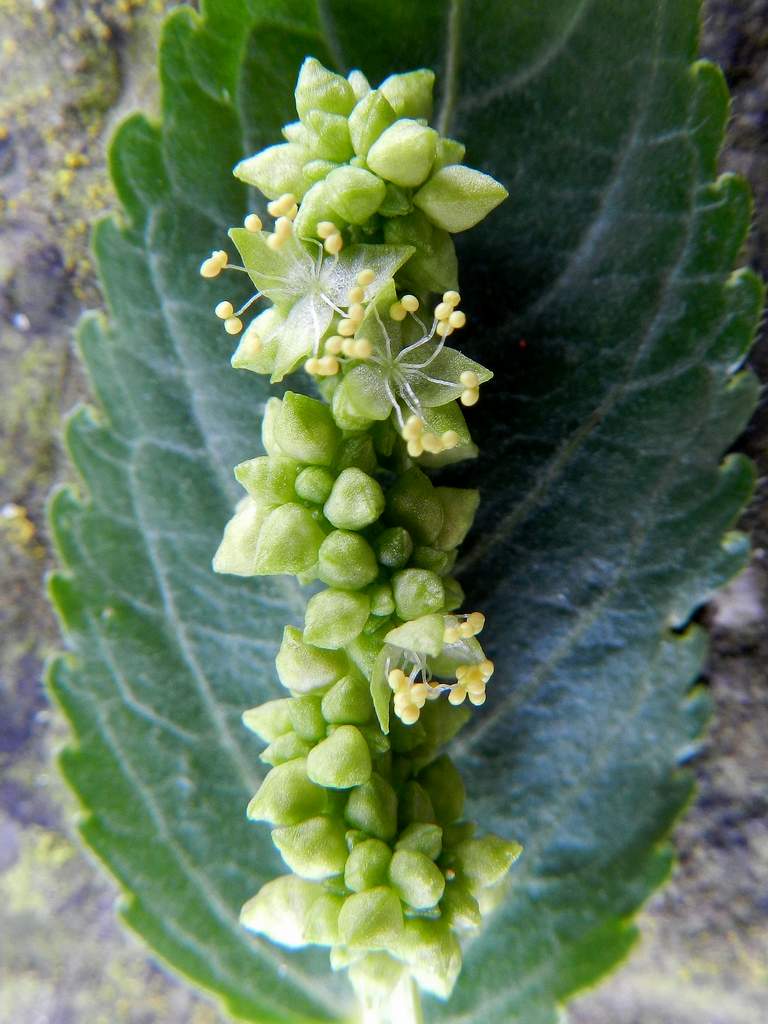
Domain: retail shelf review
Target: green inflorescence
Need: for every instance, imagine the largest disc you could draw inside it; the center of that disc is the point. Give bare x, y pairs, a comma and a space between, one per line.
365, 810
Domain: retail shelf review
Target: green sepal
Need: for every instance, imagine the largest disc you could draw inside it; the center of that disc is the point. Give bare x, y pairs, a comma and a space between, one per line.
356, 500
303, 668
348, 702
335, 617
417, 593
445, 786
258, 345
423, 837
314, 849
459, 907
346, 560
288, 542
418, 881
329, 134
459, 509
322, 921
415, 805
371, 920
404, 153
354, 193
361, 393
382, 600
317, 88
367, 865
341, 761
305, 430
433, 266
372, 115
280, 910
487, 860
425, 557
287, 796
449, 151
285, 748
423, 635
269, 720
372, 808
276, 170
357, 453
237, 552
269, 479
381, 693
410, 93
456, 197
314, 484
433, 954
268, 422
307, 718
394, 547
360, 84
412, 504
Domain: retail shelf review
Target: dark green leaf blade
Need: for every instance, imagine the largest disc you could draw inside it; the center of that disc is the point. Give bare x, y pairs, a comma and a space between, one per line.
610, 258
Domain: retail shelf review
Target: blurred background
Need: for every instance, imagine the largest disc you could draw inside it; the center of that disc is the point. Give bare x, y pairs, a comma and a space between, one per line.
69, 71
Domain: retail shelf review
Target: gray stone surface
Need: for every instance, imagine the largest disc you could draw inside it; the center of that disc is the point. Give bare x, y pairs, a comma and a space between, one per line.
70, 70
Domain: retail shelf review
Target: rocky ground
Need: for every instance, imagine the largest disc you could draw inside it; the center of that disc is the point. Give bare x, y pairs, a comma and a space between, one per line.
70, 70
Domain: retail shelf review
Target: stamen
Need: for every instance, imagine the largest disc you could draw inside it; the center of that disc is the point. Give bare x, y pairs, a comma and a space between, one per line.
253, 222
362, 348
233, 325
281, 206
356, 294
410, 303
444, 329
326, 228
366, 277
346, 328
334, 244
334, 344
452, 298
224, 310
443, 310
356, 312
397, 311
457, 319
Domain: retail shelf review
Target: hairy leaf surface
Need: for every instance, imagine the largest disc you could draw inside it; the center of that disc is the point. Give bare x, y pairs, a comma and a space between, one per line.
601, 295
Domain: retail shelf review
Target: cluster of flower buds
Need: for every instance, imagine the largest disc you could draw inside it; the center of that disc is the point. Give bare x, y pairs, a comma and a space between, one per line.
364, 810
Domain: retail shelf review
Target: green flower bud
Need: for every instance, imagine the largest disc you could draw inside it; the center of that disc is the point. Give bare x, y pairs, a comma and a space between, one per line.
367, 865
433, 267
305, 430
423, 635
382, 600
445, 787
394, 547
356, 500
236, 553
371, 919
487, 860
276, 170
423, 837
288, 542
335, 617
417, 880
348, 702
459, 907
320, 89
280, 910
449, 151
413, 504
417, 592
346, 560
373, 808
357, 453
314, 484
410, 94
307, 718
355, 194
269, 478
302, 667
425, 557
372, 115
314, 849
404, 153
268, 424
415, 805
457, 197
330, 135
269, 720
433, 954
287, 796
321, 925
285, 748
459, 507
341, 761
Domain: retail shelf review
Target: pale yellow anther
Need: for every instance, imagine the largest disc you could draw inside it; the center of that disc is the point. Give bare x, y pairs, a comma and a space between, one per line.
415, 449
210, 268
461, 670
451, 635
293, 212
465, 630
487, 668
470, 396
477, 622
397, 311
312, 365
328, 366
457, 695
326, 228
443, 329
409, 303
478, 699
221, 257
356, 294
356, 312
450, 439
334, 344
362, 348
413, 429
366, 277
451, 298
282, 205
233, 325
431, 443
251, 344
469, 379
457, 319
475, 686
443, 311
253, 222
418, 694
224, 310
397, 679
283, 227
346, 328
348, 346
334, 244
275, 241
409, 715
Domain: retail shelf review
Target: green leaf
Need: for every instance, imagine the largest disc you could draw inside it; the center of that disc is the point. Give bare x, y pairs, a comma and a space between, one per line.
605, 507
